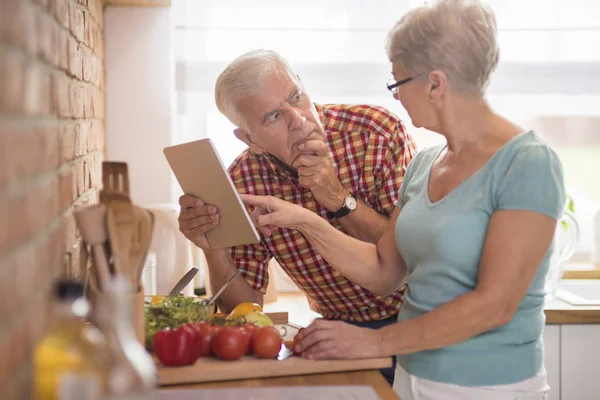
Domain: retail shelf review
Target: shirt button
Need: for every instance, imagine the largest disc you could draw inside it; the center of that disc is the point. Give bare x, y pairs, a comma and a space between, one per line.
309, 195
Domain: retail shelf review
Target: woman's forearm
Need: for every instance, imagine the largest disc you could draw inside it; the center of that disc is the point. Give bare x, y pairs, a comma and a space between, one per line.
463, 318
358, 261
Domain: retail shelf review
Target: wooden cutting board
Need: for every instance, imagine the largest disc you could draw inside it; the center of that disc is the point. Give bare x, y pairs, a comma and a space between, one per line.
213, 369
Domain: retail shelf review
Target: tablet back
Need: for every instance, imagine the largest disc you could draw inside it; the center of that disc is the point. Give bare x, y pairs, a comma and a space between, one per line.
200, 173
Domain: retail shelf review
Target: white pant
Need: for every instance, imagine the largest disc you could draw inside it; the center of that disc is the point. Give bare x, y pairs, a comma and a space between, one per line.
410, 387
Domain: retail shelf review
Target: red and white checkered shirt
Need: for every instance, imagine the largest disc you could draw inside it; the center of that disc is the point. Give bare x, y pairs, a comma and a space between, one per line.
370, 150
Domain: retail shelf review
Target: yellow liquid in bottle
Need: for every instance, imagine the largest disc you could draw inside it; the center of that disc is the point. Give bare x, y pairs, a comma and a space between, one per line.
68, 363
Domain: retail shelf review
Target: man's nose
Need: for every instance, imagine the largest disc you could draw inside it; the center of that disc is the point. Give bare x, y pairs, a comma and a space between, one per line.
297, 119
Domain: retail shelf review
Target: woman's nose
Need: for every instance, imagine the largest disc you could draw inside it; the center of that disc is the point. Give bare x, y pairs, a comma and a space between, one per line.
395, 95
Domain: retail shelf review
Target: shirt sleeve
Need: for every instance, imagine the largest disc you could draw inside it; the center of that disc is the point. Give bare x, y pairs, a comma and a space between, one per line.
400, 152
533, 181
253, 263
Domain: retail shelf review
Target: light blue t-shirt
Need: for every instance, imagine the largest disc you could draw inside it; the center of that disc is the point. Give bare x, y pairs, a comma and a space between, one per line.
442, 243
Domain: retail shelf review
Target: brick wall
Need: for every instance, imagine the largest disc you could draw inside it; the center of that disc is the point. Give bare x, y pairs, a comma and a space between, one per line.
51, 149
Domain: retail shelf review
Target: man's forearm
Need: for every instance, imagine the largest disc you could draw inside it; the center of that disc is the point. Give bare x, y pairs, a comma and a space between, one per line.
364, 223
221, 269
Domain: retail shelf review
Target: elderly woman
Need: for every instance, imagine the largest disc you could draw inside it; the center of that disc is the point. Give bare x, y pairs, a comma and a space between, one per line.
472, 233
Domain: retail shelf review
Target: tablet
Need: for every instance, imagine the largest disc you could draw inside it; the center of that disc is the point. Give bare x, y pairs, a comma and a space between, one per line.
200, 173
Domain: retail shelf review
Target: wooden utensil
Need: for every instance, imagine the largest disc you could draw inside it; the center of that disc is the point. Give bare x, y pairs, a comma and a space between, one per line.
92, 224
140, 242
120, 220
115, 180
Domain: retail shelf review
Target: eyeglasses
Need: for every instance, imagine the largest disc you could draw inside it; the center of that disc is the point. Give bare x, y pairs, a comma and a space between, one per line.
392, 84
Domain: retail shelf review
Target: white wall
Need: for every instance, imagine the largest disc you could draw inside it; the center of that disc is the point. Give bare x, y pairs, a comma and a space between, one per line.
140, 94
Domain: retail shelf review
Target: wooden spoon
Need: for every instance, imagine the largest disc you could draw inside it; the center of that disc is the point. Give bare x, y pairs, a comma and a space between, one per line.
92, 224
142, 235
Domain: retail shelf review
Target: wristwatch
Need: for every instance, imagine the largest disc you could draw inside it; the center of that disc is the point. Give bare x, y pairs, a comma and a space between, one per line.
350, 204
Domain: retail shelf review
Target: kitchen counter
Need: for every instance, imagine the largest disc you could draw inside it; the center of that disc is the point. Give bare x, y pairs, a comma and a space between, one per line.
561, 312
363, 378
582, 271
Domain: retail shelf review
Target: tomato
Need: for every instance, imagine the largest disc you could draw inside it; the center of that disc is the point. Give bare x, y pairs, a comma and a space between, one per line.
204, 335
230, 343
248, 330
266, 342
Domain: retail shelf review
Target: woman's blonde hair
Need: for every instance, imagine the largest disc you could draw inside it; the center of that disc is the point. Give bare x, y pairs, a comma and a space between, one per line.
457, 37
244, 76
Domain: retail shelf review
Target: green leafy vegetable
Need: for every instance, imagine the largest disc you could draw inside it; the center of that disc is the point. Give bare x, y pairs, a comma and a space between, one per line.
173, 311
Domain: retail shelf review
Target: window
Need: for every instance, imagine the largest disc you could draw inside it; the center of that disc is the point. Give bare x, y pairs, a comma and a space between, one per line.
548, 78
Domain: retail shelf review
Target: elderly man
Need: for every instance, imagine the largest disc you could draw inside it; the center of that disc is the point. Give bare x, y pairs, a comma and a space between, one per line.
344, 162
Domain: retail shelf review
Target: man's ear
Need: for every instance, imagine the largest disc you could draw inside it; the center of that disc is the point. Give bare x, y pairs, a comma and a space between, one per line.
244, 136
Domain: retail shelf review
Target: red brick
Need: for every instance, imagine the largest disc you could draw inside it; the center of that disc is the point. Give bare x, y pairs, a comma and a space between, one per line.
60, 95
43, 3
82, 131
39, 325
23, 386
26, 268
68, 190
79, 175
95, 8
28, 214
27, 149
69, 229
5, 367
63, 50
77, 21
55, 254
99, 44
37, 90
62, 12
50, 6
87, 61
89, 93
76, 100
74, 58
8, 305
48, 47
19, 349
66, 140
89, 30
12, 83
98, 104
17, 24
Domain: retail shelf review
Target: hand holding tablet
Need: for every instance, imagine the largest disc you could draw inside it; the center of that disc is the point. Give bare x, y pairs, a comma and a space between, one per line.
202, 175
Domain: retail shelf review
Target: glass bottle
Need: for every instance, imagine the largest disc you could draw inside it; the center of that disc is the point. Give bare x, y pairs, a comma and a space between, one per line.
68, 361
130, 370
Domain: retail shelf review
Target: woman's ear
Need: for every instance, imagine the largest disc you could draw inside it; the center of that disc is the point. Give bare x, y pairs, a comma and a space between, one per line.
245, 137
438, 82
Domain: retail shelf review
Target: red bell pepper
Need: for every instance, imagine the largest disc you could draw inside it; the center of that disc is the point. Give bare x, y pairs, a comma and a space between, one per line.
175, 347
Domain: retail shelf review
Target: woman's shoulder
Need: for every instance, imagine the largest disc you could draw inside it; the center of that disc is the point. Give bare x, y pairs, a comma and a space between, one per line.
530, 150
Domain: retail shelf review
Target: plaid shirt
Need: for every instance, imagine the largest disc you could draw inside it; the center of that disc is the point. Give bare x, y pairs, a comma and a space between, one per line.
370, 150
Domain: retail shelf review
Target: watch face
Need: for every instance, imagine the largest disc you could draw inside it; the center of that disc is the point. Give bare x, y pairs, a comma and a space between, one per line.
350, 203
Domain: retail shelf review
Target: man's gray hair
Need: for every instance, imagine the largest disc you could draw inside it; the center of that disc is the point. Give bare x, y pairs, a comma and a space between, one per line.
455, 36
244, 76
